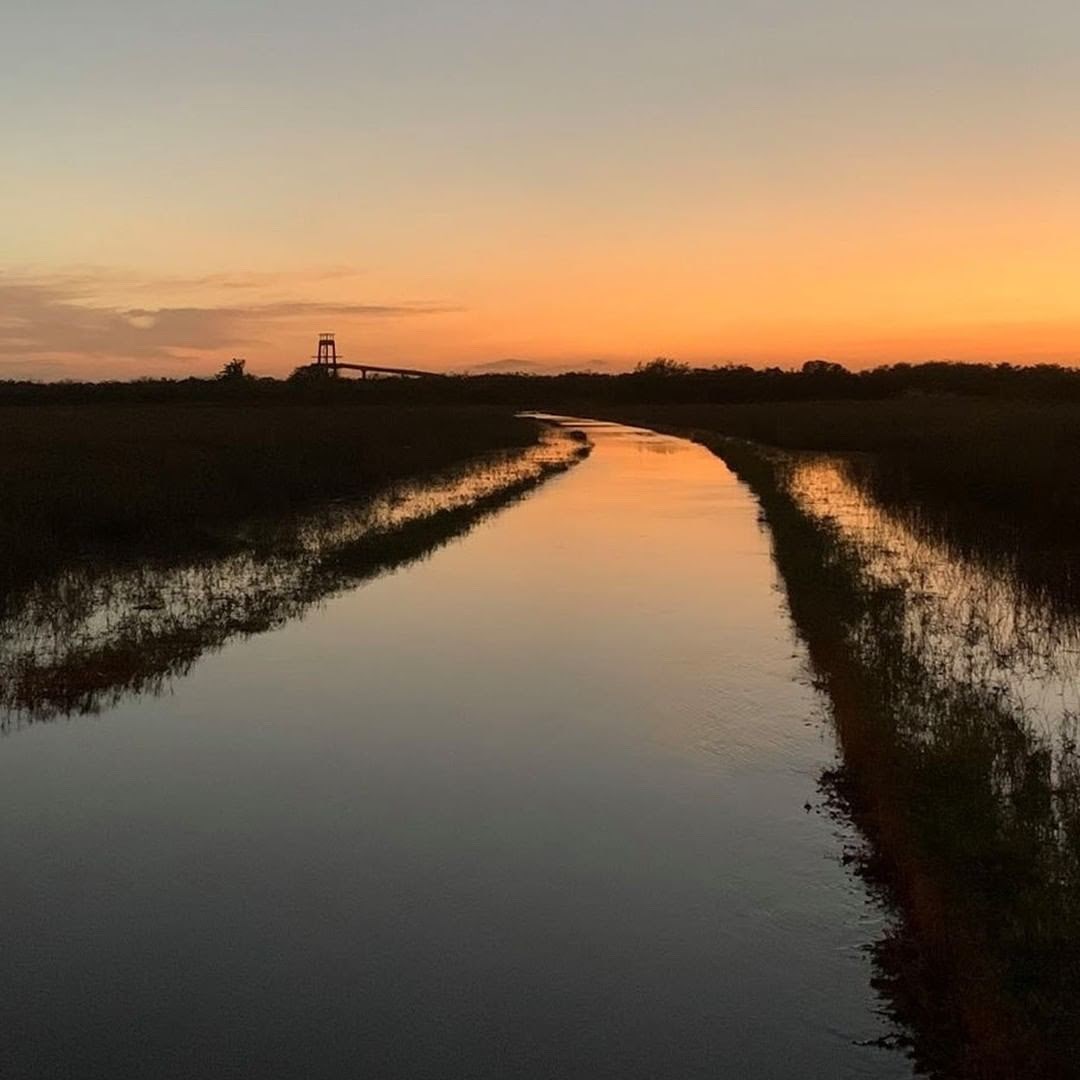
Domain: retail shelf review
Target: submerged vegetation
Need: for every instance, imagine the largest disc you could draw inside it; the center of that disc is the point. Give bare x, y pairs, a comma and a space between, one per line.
1001, 456
934, 583
135, 537
969, 800
992, 477
84, 638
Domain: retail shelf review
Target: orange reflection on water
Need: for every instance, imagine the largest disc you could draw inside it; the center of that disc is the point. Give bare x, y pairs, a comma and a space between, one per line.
972, 623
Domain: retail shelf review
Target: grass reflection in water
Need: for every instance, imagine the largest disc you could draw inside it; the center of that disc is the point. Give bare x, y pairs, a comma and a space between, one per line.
954, 696
81, 640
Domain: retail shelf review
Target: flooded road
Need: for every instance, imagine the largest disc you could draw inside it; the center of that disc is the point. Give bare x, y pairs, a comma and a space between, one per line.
533, 807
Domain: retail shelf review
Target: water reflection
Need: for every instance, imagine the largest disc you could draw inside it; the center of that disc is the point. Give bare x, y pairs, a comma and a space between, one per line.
534, 807
972, 620
82, 640
954, 694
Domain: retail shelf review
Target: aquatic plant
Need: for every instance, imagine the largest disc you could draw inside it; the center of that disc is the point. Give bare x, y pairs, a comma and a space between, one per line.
971, 810
991, 476
105, 481
81, 640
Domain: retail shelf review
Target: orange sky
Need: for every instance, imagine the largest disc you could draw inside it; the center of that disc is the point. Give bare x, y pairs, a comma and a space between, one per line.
593, 182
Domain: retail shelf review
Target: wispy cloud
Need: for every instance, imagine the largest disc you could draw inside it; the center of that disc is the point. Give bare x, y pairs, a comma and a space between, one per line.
50, 321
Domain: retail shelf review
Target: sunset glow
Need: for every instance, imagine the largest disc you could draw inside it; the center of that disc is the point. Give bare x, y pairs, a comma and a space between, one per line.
569, 184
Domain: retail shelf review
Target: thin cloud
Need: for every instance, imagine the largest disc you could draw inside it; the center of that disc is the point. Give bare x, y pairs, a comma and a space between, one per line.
59, 317
89, 280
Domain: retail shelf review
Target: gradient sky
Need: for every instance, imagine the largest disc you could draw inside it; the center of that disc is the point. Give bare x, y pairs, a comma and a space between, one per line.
451, 183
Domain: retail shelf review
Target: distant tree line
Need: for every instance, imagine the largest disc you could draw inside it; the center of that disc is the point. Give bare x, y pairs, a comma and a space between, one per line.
657, 381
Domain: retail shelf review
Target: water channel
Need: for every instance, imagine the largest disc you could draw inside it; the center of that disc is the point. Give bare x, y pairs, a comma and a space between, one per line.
544, 804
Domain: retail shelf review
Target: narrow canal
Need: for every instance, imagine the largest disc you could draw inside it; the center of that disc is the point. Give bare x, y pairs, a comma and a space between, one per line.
542, 805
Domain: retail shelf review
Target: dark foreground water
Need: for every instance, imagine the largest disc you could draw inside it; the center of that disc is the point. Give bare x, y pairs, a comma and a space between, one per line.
535, 807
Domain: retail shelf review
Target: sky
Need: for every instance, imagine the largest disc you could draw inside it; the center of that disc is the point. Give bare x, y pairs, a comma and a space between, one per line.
451, 184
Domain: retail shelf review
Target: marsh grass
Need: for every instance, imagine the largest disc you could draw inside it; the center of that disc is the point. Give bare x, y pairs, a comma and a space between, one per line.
83, 640
970, 812
101, 481
997, 478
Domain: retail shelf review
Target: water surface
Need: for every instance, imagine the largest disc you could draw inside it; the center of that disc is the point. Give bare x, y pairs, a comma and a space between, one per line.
534, 807
973, 624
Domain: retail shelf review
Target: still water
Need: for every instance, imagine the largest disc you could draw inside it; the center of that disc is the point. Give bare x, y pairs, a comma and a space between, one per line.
542, 805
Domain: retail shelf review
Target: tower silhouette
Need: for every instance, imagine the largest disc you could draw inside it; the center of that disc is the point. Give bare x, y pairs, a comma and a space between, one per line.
326, 358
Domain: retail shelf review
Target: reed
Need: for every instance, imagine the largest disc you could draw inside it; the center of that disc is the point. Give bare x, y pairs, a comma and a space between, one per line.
105, 480
971, 813
85, 640
994, 477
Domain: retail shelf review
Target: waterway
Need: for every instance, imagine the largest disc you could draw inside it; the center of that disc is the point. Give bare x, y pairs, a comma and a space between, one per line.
542, 804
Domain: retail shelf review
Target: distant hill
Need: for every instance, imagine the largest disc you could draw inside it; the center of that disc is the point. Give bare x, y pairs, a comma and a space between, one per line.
512, 366
509, 366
